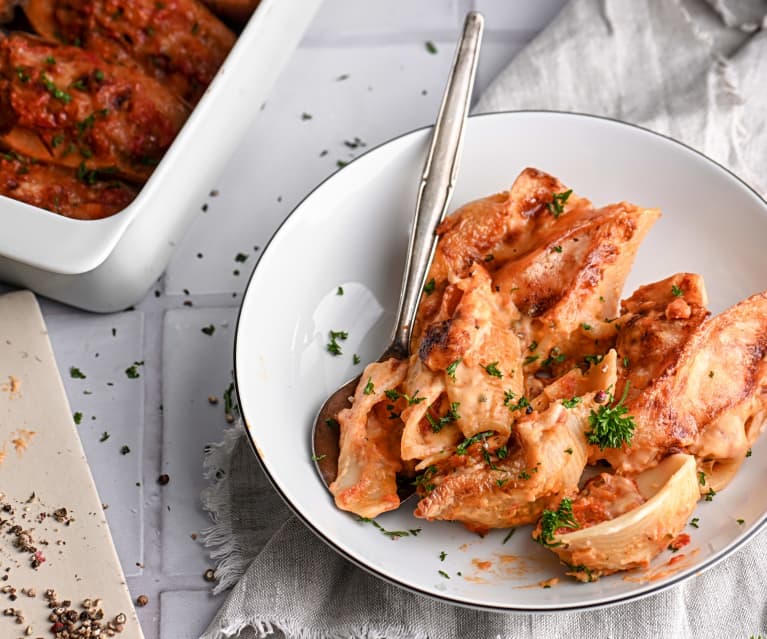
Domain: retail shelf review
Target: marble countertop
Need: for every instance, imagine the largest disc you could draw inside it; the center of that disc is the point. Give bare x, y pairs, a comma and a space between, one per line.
362, 72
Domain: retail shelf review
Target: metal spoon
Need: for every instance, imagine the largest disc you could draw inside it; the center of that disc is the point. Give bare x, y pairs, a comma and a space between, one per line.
435, 191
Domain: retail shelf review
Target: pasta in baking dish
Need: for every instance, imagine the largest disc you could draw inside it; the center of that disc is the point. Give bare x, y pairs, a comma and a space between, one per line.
535, 395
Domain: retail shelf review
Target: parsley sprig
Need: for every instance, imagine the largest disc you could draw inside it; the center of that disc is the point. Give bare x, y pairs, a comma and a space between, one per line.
557, 205
452, 415
553, 520
474, 439
611, 426
333, 347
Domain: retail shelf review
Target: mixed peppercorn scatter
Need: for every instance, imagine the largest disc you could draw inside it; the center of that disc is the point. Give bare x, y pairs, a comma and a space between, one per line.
30, 534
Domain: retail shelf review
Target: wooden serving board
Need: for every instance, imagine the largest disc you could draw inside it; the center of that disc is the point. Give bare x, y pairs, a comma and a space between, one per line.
53, 532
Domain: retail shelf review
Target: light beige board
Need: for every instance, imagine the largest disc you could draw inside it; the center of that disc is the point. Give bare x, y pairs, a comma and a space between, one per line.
42, 470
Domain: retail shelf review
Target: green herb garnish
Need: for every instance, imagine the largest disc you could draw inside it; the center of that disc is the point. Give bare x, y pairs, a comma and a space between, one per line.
611, 427
553, 520
557, 205
76, 373
450, 370
492, 370
429, 287
369, 387
474, 439
452, 415
676, 291
333, 347
572, 402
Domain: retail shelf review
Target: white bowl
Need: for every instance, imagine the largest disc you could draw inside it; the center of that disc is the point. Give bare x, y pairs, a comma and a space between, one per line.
352, 232
107, 265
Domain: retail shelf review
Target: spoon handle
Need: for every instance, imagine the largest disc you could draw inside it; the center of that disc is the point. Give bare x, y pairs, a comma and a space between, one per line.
438, 178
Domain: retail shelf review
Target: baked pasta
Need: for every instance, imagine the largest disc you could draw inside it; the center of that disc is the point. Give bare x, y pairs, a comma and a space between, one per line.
534, 395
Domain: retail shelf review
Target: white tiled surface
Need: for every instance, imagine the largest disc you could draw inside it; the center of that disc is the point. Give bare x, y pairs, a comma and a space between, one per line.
163, 416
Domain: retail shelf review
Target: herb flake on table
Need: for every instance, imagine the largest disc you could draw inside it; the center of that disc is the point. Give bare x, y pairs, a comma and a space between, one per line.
78, 418
124, 450
306, 116
209, 329
104, 437
241, 257
132, 371
694, 522
444, 574
76, 373
431, 47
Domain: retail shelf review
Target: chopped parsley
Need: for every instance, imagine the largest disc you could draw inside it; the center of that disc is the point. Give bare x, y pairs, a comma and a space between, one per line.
444, 574
523, 403
57, 93
369, 387
104, 436
76, 373
391, 534
709, 496
492, 370
572, 402
450, 370
132, 371
124, 449
569, 450
430, 47
701, 478
533, 346
694, 522
229, 401
502, 452
209, 329
585, 327
555, 357
611, 427
593, 359
318, 457
394, 395
741, 522
508, 536
452, 415
442, 555
423, 480
626, 362
523, 475
557, 205
474, 439
77, 417
355, 359
748, 453
676, 291
429, 287
240, 257
340, 290
557, 248
553, 520
330, 422
530, 359
333, 347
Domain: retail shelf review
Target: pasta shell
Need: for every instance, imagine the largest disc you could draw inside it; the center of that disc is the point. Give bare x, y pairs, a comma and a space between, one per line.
633, 539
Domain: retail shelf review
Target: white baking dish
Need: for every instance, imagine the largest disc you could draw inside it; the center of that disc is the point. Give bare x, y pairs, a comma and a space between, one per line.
107, 265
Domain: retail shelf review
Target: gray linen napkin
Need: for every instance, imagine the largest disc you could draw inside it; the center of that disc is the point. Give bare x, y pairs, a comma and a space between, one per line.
691, 69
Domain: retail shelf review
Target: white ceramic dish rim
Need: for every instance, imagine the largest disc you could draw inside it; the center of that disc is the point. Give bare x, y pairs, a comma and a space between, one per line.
82, 245
608, 601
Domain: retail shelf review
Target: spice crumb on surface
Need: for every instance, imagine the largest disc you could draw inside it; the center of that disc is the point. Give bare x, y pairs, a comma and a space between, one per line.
142, 600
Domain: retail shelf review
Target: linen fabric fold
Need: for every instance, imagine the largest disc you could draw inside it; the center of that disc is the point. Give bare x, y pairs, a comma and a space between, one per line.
690, 69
